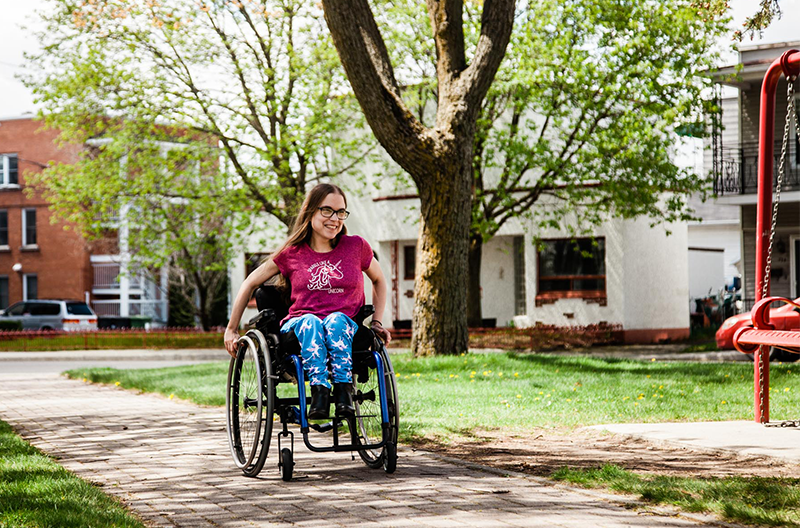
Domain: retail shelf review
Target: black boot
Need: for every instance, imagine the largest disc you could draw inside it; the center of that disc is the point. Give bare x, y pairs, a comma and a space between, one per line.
320, 402
343, 399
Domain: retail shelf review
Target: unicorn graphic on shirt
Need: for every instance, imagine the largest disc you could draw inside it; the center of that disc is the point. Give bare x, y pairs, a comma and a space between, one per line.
322, 273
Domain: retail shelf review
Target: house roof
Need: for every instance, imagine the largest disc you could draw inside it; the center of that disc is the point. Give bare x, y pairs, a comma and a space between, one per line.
753, 63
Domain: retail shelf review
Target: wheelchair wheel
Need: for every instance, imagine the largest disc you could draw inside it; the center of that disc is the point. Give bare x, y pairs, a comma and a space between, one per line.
368, 416
249, 403
287, 464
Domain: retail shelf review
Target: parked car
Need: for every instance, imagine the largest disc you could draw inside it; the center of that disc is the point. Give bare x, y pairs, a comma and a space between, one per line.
48, 314
785, 317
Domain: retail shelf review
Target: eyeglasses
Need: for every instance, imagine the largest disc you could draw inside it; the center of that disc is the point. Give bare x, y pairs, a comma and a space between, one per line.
327, 212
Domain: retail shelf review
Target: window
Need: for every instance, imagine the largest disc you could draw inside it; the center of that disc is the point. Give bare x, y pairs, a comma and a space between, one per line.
41, 308
572, 268
78, 308
29, 227
520, 307
19, 308
254, 260
30, 287
3, 228
3, 292
409, 262
8, 169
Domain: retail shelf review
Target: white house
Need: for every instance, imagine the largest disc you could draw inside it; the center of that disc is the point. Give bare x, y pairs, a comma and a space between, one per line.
637, 277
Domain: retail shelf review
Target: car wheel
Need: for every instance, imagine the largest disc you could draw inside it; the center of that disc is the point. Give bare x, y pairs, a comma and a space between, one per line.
783, 356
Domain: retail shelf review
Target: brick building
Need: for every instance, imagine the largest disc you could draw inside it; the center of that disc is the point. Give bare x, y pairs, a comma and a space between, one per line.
38, 259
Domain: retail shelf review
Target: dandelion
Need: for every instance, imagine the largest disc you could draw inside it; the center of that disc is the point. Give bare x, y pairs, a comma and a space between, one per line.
540, 392
452, 375
569, 399
636, 403
516, 374
723, 402
84, 379
625, 398
660, 387
648, 375
536, 398
547, 396
171, 396
652, 359
786, 389
500, 374
116, 383
519, 395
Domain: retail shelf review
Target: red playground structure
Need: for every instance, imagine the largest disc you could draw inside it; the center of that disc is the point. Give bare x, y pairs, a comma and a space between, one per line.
758, 339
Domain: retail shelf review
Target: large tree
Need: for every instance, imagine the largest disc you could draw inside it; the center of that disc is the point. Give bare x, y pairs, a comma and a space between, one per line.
437, 158
255, 87
585, 116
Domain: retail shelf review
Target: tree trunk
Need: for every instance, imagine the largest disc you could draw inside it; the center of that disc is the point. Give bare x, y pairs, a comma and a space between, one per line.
439, 319
439, 159
474, 310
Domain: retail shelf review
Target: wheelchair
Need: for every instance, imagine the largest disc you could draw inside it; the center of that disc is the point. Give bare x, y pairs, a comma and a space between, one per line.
266, 358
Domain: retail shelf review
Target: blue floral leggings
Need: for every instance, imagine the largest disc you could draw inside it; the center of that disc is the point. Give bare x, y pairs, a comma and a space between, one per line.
325, 343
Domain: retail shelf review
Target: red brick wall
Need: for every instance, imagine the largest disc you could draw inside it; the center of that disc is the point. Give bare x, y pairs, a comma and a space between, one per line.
62, 262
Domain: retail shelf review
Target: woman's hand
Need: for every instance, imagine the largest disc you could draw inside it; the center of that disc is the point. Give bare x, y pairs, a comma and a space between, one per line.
231, 336
383, 333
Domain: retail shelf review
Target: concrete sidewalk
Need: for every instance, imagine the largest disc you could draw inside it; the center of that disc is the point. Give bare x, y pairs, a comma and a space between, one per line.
742, 437
169, 461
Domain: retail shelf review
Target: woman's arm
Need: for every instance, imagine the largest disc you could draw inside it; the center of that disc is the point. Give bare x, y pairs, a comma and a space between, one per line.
259, 276
379, 288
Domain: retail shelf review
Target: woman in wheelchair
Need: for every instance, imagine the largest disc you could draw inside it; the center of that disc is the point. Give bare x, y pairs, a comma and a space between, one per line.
324, 266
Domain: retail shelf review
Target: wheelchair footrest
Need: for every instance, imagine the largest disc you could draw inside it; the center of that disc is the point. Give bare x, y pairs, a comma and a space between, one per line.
322, 428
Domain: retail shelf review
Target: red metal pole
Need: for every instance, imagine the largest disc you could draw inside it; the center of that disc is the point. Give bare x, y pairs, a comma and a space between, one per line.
788, 64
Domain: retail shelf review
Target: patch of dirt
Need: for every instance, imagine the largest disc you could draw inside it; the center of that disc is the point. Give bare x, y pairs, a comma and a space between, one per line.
543, 451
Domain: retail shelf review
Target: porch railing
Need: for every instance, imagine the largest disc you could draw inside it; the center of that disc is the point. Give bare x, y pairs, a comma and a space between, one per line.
735, 169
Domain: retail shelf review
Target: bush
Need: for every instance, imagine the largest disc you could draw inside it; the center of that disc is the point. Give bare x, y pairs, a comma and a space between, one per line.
10, 325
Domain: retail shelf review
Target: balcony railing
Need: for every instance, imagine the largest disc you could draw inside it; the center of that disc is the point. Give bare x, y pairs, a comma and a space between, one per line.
106, 276
736, 169
155, 310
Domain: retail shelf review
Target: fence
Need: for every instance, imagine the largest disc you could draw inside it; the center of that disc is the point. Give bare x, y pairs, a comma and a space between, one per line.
26, 340
539, 337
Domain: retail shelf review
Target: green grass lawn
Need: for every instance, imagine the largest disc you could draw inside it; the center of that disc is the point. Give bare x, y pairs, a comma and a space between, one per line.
751, 500
444, 397
36, 492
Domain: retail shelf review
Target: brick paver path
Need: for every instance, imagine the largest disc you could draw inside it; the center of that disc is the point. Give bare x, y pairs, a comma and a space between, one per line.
169, 461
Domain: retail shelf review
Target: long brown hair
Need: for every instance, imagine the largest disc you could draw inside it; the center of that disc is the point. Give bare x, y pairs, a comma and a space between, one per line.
301, 230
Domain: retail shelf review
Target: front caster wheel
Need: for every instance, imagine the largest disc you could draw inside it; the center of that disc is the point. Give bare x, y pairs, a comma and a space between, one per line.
390, 457
287, 464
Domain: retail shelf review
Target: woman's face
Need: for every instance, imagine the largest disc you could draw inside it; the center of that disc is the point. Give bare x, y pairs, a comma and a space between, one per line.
328, 228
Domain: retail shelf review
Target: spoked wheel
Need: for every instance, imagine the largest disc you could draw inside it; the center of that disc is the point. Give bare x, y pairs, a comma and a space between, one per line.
249, 403
287, 464
368, 417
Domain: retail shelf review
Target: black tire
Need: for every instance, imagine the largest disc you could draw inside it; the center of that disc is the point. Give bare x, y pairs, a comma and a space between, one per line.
783, 356
287, 464
243, 403
777, 355
368, 413
390, 457
267, 403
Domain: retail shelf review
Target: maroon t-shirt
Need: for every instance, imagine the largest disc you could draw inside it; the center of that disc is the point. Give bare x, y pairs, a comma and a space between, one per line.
323, 283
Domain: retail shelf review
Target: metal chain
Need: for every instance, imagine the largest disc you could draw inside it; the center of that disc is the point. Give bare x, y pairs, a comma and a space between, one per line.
790, 111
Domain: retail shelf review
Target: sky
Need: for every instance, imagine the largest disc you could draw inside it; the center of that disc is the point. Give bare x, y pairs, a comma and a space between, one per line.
16, 100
